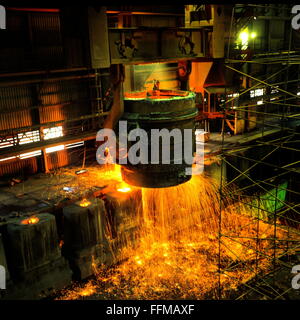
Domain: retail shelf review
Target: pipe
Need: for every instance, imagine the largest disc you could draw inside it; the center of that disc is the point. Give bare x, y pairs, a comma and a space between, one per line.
117, 108
35, 10
117, 78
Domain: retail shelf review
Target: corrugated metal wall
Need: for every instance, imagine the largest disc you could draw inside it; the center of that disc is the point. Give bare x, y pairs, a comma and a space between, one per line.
58, 101
33, 42
57, 159
46, 38
18, 167
63, 100
12, 100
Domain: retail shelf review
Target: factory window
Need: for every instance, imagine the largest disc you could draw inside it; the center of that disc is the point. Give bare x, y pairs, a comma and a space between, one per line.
243, 41
74, 145
257, 93
24, 155
6, 142
274, 90
54, 132
30, 154
56, 148
29, 137
233, 95
6, 159
21, 138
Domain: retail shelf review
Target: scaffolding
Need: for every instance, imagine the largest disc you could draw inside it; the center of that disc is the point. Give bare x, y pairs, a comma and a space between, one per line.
268, 181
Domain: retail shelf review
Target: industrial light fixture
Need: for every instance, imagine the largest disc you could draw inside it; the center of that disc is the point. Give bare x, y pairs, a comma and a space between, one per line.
253, 35
244, 36
55, 148
81, 171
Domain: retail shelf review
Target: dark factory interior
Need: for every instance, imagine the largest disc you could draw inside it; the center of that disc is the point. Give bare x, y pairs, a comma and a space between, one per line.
149, 152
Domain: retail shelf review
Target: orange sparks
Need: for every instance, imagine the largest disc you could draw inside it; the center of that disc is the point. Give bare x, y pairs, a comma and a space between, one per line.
177, 253
87, 292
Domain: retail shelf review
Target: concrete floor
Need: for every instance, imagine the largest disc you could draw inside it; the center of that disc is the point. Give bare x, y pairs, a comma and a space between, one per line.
44, 192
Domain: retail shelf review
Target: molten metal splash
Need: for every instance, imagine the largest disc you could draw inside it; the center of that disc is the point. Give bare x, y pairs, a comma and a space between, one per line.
31, 220
124, 187
187, 247
84, 203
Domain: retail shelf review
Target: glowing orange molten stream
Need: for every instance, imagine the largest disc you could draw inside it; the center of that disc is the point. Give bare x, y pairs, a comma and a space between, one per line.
31, 220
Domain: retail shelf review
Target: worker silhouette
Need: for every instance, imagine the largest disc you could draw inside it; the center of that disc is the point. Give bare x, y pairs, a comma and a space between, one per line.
155, 85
